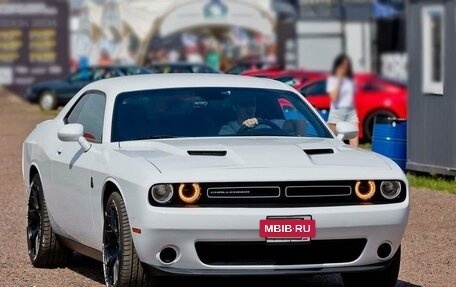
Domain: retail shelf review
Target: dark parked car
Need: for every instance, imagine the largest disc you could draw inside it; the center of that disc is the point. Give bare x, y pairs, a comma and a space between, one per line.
183, 67
50, 95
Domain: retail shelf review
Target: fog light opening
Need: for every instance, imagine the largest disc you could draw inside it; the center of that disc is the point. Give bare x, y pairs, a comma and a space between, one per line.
384, 250
168, 255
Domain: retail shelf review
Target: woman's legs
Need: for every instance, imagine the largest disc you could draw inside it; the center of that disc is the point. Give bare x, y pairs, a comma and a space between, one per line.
341, 115
354, 142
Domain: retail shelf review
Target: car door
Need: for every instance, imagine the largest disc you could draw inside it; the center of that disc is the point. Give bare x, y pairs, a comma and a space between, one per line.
74, 83
71, 170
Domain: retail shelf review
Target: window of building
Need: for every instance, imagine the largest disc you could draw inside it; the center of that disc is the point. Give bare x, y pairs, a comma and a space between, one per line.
433, 49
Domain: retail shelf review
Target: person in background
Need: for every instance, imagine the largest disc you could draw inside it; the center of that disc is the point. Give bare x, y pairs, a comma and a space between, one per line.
341, 90
105, 59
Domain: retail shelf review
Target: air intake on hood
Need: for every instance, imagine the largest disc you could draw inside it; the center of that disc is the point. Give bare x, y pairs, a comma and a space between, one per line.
207, 152
319, 151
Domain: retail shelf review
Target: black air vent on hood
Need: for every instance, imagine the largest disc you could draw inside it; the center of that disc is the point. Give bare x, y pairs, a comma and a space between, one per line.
207, 152
319, 151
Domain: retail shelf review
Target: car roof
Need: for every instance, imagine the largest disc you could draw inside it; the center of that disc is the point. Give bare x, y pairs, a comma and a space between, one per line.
117, 85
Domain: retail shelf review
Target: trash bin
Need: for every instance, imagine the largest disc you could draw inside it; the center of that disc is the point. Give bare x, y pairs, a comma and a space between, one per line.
390, 139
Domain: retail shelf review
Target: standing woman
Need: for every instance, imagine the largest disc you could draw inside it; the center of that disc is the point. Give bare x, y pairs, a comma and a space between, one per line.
341, 90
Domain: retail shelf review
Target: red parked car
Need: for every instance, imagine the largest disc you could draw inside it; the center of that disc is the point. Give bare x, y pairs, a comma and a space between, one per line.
375, 96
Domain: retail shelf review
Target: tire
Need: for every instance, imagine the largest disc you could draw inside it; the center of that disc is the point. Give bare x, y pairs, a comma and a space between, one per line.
368, 125
44, 248
121, 265
47, 101
384, 278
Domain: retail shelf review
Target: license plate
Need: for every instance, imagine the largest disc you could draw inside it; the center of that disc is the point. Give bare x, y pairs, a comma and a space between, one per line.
277, 229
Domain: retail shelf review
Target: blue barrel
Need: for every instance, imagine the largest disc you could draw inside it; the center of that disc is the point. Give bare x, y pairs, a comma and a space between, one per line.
324, 114
390, 139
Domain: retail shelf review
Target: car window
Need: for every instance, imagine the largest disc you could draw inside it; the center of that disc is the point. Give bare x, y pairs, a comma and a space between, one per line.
372, 87
212, 112
82, 75
289, 80
318, 88
89, 112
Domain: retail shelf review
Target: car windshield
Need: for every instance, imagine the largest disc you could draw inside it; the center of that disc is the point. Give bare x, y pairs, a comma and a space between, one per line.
212, 112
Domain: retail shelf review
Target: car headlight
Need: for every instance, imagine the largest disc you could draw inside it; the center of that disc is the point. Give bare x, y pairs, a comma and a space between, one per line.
365, 190
390, 189
189, 193
162, 193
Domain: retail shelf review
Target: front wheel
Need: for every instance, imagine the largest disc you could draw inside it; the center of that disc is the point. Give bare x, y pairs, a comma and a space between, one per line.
47, 101
44, 248
383, 278
121, 265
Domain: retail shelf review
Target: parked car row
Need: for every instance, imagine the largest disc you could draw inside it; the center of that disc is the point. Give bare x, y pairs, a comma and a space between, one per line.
375, 96
49, 95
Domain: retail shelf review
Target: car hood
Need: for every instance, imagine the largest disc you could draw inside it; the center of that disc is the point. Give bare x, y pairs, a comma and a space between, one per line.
172, 155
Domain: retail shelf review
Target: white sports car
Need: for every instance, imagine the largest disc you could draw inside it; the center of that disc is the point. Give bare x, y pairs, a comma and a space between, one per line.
209, 174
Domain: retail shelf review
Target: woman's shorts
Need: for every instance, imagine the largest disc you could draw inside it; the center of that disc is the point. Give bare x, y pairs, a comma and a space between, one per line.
343, 115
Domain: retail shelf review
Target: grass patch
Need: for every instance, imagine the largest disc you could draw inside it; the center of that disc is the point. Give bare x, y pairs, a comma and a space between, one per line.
433, 182
366, 145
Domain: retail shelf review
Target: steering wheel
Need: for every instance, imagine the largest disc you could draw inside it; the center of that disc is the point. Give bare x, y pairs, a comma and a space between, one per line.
269, 123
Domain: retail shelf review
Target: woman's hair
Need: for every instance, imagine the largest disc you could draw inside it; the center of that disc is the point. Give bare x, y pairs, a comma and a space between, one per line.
338, 62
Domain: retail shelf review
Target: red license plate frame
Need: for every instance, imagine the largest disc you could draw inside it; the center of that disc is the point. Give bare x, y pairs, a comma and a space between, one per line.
283, 229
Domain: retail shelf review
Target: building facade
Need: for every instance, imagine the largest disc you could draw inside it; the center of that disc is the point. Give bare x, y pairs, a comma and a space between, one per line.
431, 26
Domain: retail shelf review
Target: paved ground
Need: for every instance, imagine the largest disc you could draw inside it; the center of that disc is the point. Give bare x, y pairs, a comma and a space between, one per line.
429, 246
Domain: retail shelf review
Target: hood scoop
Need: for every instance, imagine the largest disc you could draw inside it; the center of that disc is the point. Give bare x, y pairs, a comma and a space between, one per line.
319, 151
207, 152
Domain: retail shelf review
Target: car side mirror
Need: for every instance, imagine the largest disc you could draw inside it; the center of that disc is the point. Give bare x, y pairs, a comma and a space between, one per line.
74, 133
346, 130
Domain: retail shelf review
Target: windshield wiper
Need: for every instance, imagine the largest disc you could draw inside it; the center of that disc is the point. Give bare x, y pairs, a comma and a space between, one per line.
153, 137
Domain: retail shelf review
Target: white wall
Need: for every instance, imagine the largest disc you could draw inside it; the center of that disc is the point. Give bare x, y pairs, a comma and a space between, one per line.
359, 48
320, 42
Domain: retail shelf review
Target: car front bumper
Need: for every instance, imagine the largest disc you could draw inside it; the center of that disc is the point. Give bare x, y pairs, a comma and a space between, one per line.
183, 228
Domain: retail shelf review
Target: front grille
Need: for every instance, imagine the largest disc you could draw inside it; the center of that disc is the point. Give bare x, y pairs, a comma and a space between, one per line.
262, 253
318, 191
280, 194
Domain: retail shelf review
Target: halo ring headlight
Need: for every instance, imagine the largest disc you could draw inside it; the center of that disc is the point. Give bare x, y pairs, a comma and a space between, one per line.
162, 193
365, 190
189, 193
390, 189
